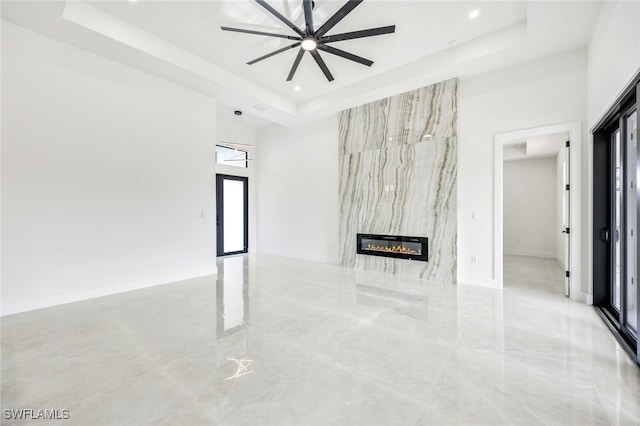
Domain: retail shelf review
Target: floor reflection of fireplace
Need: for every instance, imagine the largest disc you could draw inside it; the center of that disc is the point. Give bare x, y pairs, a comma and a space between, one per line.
396, 246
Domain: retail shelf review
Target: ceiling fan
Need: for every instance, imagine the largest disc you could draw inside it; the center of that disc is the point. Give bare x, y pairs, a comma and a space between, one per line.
312, 40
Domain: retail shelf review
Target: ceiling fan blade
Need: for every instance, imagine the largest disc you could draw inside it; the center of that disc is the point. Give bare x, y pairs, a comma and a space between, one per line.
337, 17
308, 15
240, 30
345, 55
294, 67
280, 17
321, 64
358, 34
275, 52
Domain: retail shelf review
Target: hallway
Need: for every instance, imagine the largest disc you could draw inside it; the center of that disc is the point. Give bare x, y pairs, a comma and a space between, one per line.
533, 273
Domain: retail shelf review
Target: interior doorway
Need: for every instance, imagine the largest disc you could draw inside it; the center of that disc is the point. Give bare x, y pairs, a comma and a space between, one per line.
536, 203
232, 214
531, 141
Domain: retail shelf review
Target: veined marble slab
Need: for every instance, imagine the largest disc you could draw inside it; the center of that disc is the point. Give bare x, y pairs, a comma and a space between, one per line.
395, 180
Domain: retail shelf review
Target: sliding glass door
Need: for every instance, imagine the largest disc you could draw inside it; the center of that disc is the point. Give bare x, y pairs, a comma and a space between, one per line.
629, 295
622, 303
615, 219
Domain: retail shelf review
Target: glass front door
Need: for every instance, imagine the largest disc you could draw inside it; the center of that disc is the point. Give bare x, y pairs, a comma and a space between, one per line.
232, 214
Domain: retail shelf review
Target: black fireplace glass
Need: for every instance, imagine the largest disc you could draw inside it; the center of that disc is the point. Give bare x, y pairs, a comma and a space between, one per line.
397, 246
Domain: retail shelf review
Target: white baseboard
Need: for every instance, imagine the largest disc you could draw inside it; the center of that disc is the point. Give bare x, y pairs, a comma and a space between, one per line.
589, 299
579, 297
477, 281
77, 296
532, 253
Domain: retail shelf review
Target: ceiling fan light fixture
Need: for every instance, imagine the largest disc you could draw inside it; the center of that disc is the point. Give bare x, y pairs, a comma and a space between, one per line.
313, 40
309, 43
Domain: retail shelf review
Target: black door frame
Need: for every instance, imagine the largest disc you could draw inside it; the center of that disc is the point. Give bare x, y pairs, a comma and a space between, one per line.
604, 234
220, 178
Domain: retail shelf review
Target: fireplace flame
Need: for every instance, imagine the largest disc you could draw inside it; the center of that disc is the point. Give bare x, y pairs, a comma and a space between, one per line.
394, 249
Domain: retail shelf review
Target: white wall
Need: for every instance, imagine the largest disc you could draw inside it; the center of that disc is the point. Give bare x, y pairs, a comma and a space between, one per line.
298, 175
529, 205
613, 59
541, 93
297, 178
560, 193
226, 127
107, 176
614, 55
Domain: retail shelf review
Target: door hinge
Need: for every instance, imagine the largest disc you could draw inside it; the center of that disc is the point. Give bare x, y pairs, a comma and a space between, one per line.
567, 274
567, 144
566, 230
566, 187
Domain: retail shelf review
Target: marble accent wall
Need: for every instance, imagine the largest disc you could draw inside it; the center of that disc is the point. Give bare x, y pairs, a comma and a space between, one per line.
395, 181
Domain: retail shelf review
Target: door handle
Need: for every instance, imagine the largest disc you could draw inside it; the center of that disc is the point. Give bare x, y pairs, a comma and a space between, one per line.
604, 234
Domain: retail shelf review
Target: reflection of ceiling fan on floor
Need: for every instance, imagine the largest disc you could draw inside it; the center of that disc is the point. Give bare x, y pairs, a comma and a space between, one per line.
311, 40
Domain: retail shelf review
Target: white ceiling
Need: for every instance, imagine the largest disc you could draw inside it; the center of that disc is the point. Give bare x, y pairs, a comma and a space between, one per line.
535, 147
182, 42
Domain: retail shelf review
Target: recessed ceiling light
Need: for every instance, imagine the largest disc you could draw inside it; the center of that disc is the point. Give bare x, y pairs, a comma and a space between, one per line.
474, 14
452, 43
297, 88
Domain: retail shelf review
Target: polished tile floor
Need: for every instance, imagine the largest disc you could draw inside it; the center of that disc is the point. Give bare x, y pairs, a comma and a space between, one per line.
274, 341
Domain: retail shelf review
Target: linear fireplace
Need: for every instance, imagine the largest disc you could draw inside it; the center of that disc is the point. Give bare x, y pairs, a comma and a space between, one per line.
397, 246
